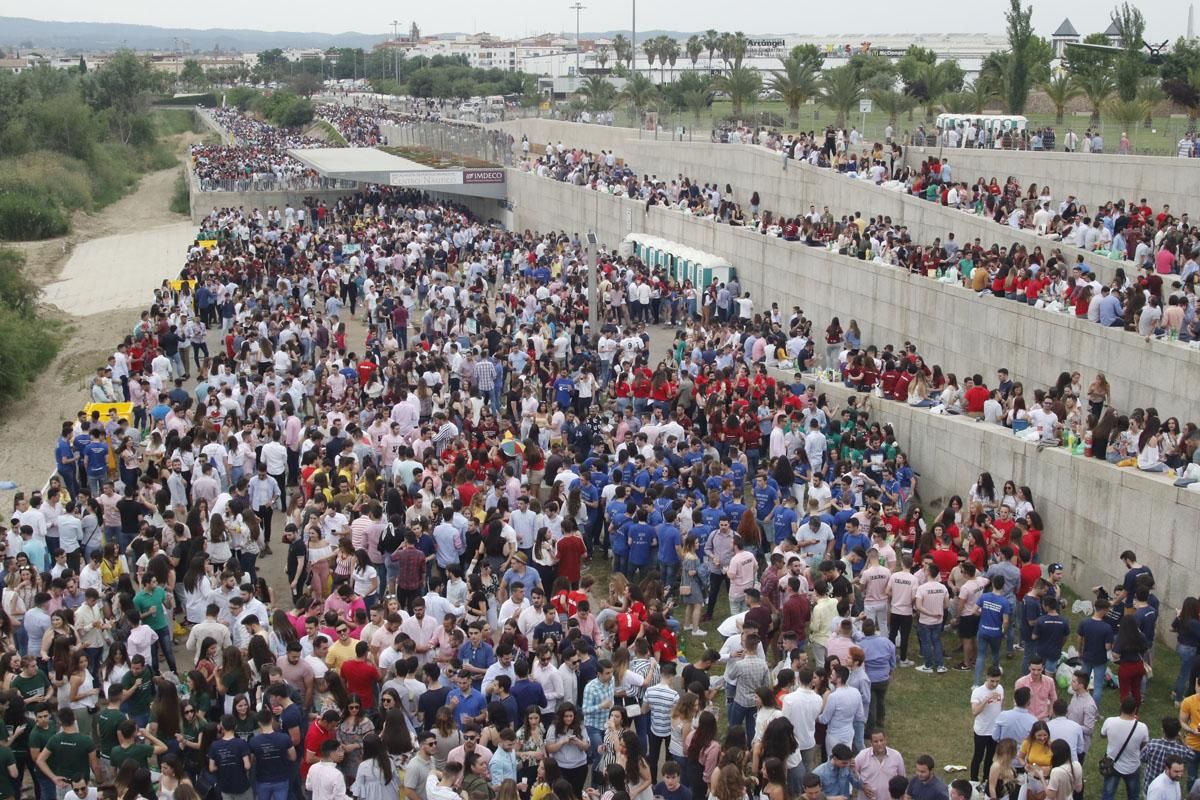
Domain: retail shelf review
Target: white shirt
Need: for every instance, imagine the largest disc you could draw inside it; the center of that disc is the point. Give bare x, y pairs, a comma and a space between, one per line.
985, 720
802, 707
1163, 788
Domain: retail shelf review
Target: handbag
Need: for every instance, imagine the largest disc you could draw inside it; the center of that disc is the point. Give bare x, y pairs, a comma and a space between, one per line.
1108, 766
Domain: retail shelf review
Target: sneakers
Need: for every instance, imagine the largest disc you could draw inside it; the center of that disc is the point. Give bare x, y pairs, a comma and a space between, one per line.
924, 668
940, 670
905, 663
962, 667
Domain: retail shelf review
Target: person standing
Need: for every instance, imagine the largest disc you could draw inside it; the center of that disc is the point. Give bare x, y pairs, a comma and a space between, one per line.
1189, 721
1094, 641
880, 661
1082, 710
900, 589
843, 708
930, 600
1166, 785
877, 764
987, 702
1126, 737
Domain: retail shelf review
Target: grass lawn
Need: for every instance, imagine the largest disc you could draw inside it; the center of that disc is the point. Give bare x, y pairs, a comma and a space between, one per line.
1160, 139
931, 713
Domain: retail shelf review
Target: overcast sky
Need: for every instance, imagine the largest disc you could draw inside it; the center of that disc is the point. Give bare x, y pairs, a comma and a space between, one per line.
1166, 18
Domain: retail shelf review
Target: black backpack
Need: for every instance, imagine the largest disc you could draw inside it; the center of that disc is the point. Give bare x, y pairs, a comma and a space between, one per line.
390, 540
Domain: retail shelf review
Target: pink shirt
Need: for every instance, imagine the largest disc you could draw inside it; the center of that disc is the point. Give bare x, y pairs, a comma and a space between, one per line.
930, 600
741, 572
1164, 261
902, 585
875, 581
1042, 695
968, 595
875, 772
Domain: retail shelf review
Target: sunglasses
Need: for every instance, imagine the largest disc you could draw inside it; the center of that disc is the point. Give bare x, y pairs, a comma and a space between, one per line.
354, 707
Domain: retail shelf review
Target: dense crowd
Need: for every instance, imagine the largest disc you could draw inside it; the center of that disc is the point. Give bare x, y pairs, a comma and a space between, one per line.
497, 529
257, 162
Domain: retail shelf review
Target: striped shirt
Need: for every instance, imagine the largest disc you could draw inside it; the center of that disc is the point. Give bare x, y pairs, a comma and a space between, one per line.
485, 375
661, 699
595, 715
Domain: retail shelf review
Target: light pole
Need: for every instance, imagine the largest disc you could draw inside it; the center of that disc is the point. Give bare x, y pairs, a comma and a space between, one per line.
578, 7
395, 45
633, 39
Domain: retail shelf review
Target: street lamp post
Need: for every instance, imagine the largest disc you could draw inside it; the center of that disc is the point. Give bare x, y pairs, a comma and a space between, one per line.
578, 7
395, 46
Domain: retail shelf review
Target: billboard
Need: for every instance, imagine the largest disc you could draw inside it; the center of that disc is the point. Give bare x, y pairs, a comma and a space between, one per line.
477, 176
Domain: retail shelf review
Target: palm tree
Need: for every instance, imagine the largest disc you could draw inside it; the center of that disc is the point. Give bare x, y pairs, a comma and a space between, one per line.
639, 92
893, 103
602, 55
694, 48
711, 41
622, 49
668, 53
931, 81
1061, 89
974, 97
796, 83
601, 95
742, 84
840, 92
650, 48
1128, 112
1096, 86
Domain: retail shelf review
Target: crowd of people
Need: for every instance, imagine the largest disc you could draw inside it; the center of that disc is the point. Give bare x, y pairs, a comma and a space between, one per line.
257, 161
499, 529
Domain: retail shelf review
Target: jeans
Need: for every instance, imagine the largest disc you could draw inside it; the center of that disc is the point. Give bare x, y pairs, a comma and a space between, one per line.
1097, 671
737, 605
739, 714
1133, 786
986, 643
878, 709
164, 641
900, 624
878, 613
596, 737
930, 637
1187, 657
272, 791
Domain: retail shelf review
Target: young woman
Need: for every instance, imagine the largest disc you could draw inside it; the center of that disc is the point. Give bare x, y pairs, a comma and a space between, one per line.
1002, 778
702, 749
320, 556
375, 777
352, 732
1187, 631
1065, 778
531, 743
691, 590
568, 745
1130, 649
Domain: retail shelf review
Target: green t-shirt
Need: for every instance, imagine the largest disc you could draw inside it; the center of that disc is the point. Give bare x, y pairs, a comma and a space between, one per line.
139, 702
144, 601
34, 686
138, 752
7, 759
109, 719
69, 754
39, 737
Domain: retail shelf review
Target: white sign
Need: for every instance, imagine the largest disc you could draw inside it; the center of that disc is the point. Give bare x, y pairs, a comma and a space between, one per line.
437, 178
864, 105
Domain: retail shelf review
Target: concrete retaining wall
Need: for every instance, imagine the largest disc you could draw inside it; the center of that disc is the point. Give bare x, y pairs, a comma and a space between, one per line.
952, 326
1094, 179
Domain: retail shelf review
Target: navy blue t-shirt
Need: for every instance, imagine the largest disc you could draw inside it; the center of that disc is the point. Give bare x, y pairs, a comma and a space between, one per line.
993, 608
682, 793
232, 775
1031, 609
1052, 630
1096, 633
271, 756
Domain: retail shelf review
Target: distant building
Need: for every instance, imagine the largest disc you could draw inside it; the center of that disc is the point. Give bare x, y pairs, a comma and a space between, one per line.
1065, 35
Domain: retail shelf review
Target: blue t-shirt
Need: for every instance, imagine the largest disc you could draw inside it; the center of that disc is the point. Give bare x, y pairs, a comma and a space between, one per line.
668, 539
1031, 609
95, 455
853, 540
1096, 635
782, 522
1052, 630
616, 534
270, 756
63, 453
229, 756
682, 793
562, 391
993, 608
765, 499
641, 539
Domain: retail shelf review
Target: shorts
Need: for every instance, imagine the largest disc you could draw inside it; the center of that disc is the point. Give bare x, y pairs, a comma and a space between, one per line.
968, 627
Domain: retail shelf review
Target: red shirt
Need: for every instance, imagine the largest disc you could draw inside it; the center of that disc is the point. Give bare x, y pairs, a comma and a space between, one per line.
665, 647
946, 560
571, 551
567, 602
313, 740
360, 678
1030, 540
628, 627
1029, 575
976, 396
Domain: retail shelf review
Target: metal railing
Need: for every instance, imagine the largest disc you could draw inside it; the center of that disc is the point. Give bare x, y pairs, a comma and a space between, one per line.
271, 183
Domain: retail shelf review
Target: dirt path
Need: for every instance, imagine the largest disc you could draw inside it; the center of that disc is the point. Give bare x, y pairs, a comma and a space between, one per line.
29, 427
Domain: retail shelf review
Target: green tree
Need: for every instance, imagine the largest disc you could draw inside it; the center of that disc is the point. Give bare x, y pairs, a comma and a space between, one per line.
82, 66
796, 83
841, 91
602, 53
623, 49
931, 81
305, 83
893, 103
692, 92
910, 63
668, 53
272, 64
639, 93
1097, 87
123, 85
1131, 64
1060, 89
650, 48
1082, 60
1020, 57
1186, 92
872, 68
192, 74
694, 48
712, 41
599, 93
741, 84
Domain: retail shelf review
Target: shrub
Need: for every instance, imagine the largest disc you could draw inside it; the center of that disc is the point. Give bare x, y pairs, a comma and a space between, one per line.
28, 342
29, 215
181, 198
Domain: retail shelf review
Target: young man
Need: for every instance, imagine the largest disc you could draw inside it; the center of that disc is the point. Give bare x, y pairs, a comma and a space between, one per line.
229, 761
69, 755
1126, 737
671, 786
661, 699
930, 601
325, 780
274, 757
419, 768
1095, 640
130, 748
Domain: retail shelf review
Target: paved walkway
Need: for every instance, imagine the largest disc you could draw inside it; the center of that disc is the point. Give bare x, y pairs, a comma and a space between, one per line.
120, 271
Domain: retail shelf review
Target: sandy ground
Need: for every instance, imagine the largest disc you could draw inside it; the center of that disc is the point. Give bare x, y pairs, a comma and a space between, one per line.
30, 426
